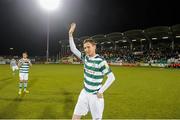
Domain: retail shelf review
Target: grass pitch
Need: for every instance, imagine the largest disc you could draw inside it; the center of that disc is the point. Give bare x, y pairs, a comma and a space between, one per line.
137, 92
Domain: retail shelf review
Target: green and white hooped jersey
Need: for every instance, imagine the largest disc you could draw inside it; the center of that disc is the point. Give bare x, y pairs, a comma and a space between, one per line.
24, 68
94, 70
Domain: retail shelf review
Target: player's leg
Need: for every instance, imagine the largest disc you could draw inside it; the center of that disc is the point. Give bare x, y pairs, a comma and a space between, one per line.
16, 69
25, 82
82, 107
20, 83
13, 70
96, 107
20, 87
25, 86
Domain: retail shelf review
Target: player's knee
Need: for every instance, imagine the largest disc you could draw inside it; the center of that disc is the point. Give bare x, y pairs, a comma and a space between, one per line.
25, 81
76, 117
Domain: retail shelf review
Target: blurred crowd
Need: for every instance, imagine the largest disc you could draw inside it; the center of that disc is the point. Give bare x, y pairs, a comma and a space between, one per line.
149, 56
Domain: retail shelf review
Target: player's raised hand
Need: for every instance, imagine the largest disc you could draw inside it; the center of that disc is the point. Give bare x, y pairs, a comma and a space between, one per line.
72, 28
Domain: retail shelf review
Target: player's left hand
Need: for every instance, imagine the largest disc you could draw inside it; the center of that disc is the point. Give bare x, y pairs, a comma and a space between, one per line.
100, 95
72, 28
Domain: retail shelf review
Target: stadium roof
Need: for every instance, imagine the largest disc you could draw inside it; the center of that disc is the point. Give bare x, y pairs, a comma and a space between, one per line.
134, 35
99, 38
153, 33
176, 30
116, 36
158, 32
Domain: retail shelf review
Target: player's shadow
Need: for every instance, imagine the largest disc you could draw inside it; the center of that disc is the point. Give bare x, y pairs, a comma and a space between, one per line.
5, 79
9, 112
48, 113
32, 82
4, 82
68, 104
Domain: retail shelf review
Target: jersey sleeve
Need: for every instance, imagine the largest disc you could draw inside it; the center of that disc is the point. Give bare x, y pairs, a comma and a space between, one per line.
29, 61
83, 55
104, 68
20, 62
73, 48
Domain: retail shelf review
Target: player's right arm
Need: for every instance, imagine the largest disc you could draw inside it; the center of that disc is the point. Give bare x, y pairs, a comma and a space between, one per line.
71, 41
30, 62
20, 62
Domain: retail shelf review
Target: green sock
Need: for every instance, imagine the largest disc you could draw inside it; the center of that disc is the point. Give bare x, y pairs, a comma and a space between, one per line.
25, 86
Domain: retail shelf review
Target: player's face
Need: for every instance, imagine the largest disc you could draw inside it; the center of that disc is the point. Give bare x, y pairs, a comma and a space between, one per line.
25, 55
89, 49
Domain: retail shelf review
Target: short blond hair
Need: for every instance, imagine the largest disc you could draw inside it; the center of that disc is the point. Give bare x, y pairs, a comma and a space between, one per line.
90, 41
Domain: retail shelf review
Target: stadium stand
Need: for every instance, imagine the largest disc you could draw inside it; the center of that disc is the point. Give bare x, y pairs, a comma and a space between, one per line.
156, 46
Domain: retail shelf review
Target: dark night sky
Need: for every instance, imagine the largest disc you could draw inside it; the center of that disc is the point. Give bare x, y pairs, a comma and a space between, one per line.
23, 22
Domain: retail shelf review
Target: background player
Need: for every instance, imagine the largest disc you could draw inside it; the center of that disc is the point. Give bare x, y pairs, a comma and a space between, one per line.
13, 65
24, 64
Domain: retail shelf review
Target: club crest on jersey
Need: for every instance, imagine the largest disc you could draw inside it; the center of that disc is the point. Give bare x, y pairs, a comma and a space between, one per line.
89, 71
93, 65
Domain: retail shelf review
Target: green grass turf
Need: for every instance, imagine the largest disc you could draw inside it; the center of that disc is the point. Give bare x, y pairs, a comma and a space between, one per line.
138, 92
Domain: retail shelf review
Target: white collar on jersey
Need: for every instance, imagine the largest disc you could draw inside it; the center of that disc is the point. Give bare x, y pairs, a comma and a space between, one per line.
93, 56
25, 59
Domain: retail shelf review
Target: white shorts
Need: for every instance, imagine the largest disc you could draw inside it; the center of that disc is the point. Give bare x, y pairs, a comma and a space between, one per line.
89, 102
23, 76
14, 68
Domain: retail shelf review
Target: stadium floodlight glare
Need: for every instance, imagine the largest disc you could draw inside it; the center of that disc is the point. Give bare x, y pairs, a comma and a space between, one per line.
49, 5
